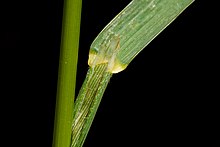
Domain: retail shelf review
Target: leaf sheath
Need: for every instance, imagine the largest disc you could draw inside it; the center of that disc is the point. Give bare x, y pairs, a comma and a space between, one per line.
88, 101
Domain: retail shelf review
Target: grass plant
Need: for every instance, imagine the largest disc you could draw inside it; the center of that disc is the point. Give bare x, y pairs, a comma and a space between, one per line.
111, 52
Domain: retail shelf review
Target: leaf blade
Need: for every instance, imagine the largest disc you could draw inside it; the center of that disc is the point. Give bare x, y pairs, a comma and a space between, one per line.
136, 26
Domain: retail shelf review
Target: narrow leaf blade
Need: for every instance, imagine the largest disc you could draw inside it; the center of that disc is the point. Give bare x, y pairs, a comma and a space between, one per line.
134, 28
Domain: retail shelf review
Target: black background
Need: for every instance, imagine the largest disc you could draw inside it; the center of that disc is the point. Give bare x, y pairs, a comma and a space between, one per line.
167, 95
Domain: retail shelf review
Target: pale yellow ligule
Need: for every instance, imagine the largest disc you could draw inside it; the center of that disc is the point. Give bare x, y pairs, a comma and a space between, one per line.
107, 55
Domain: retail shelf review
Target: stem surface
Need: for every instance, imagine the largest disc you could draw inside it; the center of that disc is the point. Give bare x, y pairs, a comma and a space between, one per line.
67, 73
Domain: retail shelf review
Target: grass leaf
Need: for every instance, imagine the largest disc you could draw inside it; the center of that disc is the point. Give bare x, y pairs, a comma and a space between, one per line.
114, 48
134, 27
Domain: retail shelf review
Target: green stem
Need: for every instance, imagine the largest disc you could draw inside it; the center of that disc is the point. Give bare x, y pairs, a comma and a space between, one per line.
67, 73
88, 101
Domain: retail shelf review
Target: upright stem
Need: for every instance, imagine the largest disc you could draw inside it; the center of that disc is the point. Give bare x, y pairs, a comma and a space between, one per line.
67, 73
